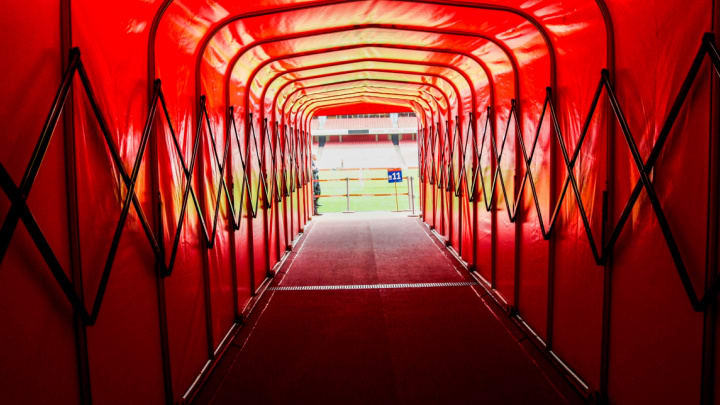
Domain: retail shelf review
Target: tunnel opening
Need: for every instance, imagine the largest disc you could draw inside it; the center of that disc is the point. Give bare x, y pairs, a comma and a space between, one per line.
367, 162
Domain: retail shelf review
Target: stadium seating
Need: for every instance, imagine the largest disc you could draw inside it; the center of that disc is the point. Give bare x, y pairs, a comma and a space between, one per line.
367, 155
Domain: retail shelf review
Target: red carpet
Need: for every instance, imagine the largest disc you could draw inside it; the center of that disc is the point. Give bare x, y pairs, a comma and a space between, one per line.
368, 249
377, 345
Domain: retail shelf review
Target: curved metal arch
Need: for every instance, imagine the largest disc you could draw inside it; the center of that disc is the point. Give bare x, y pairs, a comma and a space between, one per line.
299, 113
381, 80
295, 119
396, 27
301, 109
419, 113
447, 99
417, 92
383, 46
311, 112
455, 89
408, 103
157, 18
431, 85
378, 95
427, 104
488, 75
360, 96
305, 116
506, 50
315, 106
548, 43
381, 89
424, 107
208, 36
329, 104
310, 107
469, 81
384, 81
304, 131
451, 3
296, 131
391, 71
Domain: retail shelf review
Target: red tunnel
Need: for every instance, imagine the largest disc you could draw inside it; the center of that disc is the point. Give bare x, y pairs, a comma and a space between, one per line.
156, 174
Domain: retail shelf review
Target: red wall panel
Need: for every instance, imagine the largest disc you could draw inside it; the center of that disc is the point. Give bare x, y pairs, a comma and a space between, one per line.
647, 293
32, 304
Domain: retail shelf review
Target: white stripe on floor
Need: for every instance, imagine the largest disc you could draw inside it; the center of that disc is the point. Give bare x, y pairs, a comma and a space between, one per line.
371, 286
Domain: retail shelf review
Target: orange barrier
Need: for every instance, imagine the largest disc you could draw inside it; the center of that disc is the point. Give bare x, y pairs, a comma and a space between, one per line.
410, 193
362, 168
354, 179
363, 195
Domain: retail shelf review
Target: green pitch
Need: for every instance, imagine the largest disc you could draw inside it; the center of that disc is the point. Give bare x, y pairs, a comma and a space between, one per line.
339, 204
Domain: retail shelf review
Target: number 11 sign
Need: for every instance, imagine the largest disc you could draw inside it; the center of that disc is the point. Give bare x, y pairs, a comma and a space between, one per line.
395, 176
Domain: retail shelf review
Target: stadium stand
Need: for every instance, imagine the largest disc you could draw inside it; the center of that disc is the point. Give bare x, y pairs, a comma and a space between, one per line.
377, 127
367, 155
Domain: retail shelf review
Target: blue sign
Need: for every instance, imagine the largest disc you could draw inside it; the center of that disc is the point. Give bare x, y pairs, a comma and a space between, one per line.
395, 176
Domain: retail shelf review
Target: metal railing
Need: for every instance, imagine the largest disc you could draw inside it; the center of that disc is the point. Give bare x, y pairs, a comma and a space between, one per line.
442, 175
292, 153
410, 191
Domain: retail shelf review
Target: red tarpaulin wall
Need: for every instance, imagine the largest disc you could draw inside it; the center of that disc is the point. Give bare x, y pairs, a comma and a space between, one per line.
240, 83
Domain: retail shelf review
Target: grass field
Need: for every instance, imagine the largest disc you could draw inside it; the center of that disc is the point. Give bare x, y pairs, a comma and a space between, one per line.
364, 186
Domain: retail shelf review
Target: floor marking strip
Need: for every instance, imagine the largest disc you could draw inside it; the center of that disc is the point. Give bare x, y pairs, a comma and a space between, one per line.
371, 286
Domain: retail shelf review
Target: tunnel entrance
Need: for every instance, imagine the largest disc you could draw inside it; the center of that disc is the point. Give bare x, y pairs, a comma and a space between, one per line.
366, 161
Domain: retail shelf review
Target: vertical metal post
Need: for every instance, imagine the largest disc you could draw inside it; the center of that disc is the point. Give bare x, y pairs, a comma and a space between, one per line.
347, 193
412, 196
708, 369
408, 194
397, 205
162, 309
69, 147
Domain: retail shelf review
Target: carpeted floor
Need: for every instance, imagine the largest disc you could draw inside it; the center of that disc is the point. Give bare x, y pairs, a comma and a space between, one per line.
338, 326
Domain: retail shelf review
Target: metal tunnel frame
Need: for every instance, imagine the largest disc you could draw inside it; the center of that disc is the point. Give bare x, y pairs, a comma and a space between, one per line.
243, 129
